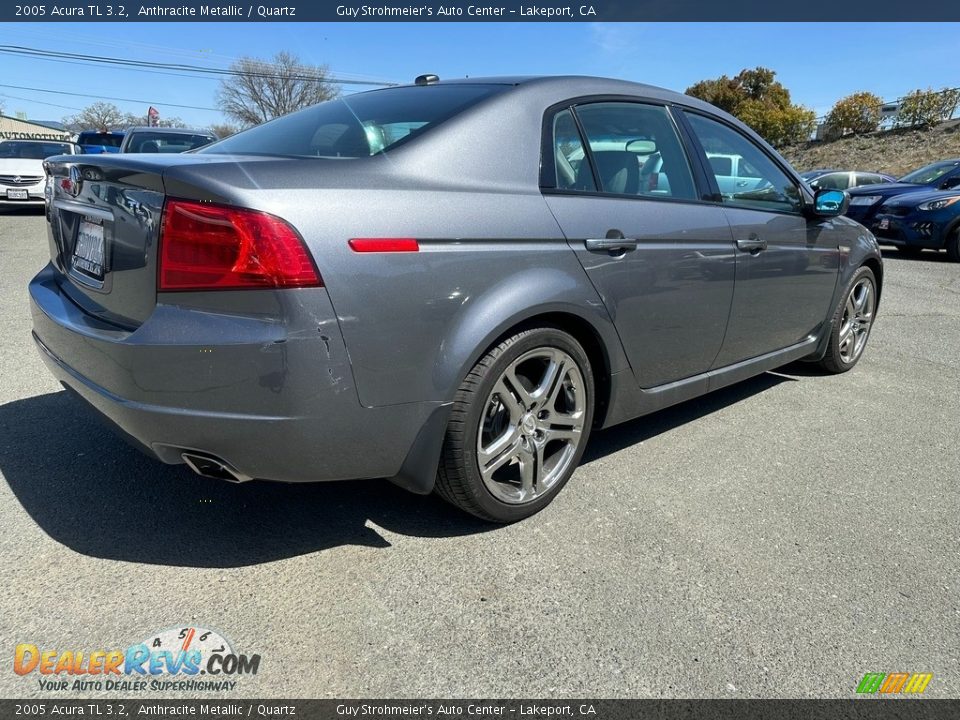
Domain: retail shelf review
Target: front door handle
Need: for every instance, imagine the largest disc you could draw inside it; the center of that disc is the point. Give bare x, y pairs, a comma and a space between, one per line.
752, 245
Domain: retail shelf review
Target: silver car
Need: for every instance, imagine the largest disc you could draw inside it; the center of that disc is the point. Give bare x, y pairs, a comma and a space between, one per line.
448, 284
22, 179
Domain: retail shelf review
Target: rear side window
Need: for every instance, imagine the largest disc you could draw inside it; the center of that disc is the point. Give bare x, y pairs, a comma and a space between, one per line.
869, 179
573, 169
636, 150
96, 138
357, 125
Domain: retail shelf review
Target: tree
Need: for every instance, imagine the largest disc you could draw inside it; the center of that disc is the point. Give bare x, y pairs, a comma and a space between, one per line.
927, 107
259, 91
756, 98
223, 130
859, 113
99, 116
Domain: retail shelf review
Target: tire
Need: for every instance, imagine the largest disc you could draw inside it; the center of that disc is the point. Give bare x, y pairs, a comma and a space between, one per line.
953, 246
524, 413
852, 321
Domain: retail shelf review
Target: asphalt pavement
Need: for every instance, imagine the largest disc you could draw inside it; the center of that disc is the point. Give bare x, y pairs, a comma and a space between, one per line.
779, 538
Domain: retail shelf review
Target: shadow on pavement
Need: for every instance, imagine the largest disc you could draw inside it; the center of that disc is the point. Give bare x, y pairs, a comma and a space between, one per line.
90, 491
890, 253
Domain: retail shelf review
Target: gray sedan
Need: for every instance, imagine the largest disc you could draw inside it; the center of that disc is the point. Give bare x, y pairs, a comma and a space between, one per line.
448, 284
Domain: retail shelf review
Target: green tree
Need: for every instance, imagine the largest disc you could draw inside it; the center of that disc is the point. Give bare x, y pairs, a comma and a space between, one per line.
927, 107
859, 113
756, 98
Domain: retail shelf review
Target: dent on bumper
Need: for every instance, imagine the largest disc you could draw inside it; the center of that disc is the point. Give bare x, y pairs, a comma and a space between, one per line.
274, 400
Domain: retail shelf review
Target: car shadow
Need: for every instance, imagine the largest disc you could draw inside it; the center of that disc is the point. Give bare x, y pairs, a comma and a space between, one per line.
611, 440
890, 253
100, 497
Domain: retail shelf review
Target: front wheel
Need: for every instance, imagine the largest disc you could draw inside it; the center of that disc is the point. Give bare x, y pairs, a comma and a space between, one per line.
852, 321
519, 425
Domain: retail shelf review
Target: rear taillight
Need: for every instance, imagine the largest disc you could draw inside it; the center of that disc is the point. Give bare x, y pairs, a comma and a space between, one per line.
218, 247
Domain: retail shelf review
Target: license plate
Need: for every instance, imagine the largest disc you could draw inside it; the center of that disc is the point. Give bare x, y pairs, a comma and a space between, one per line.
884, 224
88, 250
17, 195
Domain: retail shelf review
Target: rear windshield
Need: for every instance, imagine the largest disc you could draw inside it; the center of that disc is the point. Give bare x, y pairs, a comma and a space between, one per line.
357, 125
95, 138
148, 142
33, 150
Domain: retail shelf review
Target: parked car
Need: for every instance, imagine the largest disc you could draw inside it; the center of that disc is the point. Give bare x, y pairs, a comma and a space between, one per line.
408, 283
733, 173
866, 201
94, 142
916, 221
164, 140
844, 179
22, 178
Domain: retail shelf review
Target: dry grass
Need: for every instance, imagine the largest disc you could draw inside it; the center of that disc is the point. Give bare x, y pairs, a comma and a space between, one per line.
895, 152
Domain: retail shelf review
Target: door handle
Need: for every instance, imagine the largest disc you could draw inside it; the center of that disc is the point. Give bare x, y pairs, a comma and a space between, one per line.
612, 244
752, 245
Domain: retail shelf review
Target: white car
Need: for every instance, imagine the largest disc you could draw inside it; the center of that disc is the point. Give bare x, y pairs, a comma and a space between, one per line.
21, 169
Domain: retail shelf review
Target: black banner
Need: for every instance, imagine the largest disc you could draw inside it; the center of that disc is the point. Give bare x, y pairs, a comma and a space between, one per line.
858, 11
857, 709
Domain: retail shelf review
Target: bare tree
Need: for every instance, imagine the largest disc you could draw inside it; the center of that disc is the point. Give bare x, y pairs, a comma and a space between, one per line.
223, 130
260, 90
99, 116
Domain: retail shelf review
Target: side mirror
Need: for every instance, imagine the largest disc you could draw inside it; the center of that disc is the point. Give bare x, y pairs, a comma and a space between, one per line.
830, 203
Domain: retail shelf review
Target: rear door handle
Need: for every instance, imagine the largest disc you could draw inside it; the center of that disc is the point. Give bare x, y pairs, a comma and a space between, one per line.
752, 245
611, 244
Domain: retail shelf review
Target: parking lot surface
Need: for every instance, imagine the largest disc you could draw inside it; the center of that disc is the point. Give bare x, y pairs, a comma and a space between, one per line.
779, 538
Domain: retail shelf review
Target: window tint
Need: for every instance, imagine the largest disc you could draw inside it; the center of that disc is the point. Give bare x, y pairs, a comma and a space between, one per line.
764, 186
636, 150
720, 164
573, 170
358, 125
98, 138
33, 150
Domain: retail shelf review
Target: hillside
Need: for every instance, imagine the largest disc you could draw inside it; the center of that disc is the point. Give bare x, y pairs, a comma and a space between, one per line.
896, 152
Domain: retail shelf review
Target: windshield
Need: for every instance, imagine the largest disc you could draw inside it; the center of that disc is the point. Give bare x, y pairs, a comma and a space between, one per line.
95, 138
930, 173
357, 125
33, 150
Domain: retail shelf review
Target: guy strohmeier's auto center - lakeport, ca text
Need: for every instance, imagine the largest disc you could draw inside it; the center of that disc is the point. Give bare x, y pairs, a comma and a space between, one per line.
109, 11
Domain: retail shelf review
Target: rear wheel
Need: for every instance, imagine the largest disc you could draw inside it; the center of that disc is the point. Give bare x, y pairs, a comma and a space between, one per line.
519, 425
852, 321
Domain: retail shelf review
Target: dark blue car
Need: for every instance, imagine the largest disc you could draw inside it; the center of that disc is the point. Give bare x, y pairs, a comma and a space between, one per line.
917, 220
866, 201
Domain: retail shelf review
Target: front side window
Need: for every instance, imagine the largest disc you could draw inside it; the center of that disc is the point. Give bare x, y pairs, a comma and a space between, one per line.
636, 150
832, 181
760, 184
869, 179
34, 150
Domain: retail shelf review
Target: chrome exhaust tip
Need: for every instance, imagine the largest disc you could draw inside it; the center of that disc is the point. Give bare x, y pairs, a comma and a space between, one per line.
211, 467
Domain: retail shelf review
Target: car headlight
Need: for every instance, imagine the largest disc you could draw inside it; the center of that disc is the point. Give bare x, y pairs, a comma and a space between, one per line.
865, 199
938, 204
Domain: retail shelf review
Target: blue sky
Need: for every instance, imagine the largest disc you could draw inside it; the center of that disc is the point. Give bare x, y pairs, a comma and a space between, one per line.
818, 62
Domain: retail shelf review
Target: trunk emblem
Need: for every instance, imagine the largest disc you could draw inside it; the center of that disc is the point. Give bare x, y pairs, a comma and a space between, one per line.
71, 184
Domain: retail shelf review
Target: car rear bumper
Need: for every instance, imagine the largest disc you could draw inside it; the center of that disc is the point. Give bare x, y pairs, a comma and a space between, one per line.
267, 400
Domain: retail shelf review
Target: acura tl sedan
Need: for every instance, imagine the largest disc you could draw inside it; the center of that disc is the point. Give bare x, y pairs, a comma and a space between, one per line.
448, 284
